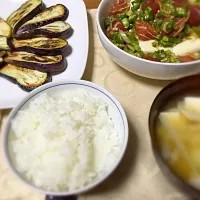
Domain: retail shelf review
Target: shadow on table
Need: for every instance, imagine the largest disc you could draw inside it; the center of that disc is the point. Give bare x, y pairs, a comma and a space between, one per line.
143, 80
123, 171
90, 61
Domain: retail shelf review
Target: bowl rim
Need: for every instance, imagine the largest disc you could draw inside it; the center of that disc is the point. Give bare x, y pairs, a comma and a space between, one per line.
101, 32
189, 189
26, 99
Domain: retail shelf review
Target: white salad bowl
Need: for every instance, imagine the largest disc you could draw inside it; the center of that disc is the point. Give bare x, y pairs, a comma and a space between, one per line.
139, 66
114, 108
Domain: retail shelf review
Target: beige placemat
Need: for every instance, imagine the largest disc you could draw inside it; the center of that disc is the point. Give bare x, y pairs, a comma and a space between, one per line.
138, 177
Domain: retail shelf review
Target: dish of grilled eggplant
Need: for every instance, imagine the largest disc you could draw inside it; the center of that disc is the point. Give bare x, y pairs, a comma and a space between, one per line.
32, 44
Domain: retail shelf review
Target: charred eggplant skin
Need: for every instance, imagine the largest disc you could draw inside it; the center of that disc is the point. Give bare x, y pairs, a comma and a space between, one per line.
48, 78
47, 47
45, 31
1, 61
35, 62
19, 17
39, 20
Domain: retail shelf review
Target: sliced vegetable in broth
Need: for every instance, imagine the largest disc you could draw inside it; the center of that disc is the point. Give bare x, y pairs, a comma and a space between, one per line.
178, 136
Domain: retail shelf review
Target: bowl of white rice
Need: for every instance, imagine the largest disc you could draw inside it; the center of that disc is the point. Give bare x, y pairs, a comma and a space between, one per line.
65, 138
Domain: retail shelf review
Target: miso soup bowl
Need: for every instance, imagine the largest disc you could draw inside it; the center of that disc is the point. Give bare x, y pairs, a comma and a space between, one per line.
174, 91
140, 66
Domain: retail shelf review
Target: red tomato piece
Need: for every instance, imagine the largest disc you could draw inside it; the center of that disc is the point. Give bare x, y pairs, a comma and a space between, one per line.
117, 25
194, 19
148, 57
154, 5
180, 3
186, 58
118, 7
144, 30
109, 33
181, 23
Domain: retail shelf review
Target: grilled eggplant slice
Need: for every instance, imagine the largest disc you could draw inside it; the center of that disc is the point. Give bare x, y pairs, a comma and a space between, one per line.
54, 13
3, 43
40, 46
53, 30
5, 28
35, 62
27, 79
1, 61
26, 12
2, 53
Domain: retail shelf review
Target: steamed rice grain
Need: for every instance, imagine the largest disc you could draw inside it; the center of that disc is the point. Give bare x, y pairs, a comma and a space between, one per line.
64, 143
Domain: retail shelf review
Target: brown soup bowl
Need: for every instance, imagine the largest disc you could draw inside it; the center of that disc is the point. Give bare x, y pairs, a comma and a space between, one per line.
180, 88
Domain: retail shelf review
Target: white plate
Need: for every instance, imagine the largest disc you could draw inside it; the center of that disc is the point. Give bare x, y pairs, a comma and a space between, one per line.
11, 94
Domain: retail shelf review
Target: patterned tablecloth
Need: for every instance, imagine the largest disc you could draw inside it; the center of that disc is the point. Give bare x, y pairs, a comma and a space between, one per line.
138, 176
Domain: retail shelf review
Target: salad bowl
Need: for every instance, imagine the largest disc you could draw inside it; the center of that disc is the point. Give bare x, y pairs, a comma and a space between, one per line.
143, 67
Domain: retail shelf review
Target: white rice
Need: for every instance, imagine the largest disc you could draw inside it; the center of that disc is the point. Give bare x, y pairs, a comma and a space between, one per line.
64, 143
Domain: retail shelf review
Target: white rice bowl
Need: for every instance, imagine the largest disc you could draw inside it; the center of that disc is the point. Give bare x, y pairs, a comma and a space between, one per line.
66, 140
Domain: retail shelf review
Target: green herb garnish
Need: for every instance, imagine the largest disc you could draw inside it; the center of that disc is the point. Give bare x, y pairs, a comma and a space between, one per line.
146, 14
168, 25
117, 38
167, 8
157, 24
181, 11
120, 16
136, 4
165, 41
165, 56
107, 22
121, 46
129, 13
125, 22
196, 30
132, 46
133, 18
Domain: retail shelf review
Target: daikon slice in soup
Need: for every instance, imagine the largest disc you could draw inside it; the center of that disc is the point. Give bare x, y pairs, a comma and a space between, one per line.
178, 137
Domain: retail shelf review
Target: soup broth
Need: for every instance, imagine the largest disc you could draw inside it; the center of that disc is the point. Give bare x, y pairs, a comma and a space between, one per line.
178, 136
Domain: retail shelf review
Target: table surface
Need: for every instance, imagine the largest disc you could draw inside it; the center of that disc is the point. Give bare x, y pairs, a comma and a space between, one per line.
138, 176
92, 3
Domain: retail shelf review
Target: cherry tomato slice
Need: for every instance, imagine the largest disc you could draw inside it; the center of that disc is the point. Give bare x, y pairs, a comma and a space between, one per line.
194, 19
186, 58
144, 30
118, 7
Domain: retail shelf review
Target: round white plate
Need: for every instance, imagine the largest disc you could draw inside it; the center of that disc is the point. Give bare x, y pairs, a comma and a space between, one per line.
11, 94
